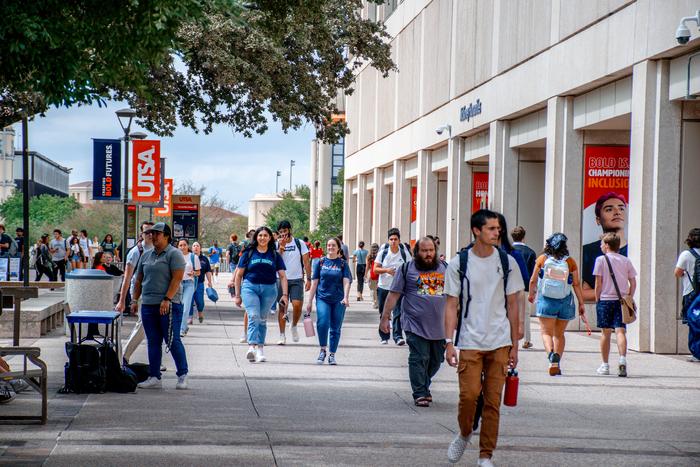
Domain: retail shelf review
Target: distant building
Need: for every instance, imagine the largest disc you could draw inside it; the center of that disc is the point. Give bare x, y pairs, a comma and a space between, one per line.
259, 206
82, 192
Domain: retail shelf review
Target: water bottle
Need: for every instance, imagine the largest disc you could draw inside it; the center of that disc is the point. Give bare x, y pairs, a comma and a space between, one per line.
510, 394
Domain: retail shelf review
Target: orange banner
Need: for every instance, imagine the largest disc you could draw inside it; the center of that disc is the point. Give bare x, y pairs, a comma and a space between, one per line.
166, 210
146, 171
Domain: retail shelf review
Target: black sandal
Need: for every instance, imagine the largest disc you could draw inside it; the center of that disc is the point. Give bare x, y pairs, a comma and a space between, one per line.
422, 402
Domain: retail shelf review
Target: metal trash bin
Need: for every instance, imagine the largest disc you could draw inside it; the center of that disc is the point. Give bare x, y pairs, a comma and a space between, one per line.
89, 289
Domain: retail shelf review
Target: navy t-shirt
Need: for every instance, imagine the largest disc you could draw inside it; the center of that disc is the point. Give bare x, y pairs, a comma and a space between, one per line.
205, 267
330, 273
261, 268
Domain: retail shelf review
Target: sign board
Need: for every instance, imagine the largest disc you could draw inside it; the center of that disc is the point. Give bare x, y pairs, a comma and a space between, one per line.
167, 209
15, 264
480, 191
146, 173
4, 268
131, 225
186, 217
106, 169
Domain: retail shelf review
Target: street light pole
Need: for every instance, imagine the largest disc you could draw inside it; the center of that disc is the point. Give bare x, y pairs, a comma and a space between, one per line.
277, 181
291, 164
126, 114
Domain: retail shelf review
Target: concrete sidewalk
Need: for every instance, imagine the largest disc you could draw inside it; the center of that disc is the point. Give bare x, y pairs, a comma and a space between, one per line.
290, 411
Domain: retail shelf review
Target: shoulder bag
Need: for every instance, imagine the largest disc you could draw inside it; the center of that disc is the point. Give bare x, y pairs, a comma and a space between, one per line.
629, 308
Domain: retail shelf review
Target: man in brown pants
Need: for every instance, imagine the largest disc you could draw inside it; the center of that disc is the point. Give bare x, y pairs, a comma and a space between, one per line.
487, 281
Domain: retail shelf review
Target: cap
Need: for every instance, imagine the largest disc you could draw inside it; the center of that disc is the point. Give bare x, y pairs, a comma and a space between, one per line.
160, 227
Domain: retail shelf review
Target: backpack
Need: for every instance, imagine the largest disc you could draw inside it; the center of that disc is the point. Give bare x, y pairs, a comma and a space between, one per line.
693, 320
117, 379
554, 278
385, 251
85, 371
373, 275
233, 252
695, 281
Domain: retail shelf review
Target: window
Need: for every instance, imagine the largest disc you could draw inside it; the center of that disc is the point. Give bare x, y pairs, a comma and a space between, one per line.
337, 161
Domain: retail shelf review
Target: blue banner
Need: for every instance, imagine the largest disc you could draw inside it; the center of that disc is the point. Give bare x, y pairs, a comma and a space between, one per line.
106, 169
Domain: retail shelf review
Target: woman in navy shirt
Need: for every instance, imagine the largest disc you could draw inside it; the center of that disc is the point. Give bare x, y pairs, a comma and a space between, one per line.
258, 268
330, 284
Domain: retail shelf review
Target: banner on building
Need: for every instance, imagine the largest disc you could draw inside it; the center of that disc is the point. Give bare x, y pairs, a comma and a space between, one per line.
166, 210
480, 191
186, 217
146, 181
605, 195
106, 169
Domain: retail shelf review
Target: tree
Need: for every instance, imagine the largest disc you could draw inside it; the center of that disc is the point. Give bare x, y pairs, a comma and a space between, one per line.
293, 207
197, 63
46, 212
330, 218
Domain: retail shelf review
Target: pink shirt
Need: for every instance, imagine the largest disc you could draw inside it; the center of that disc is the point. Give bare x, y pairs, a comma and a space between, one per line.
624, 270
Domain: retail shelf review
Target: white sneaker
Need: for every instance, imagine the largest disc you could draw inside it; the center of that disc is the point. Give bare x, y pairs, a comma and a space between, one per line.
603, 369
691, 358
283, 340
457, 447
259, 356
250, 355
485, 462
384, 342
151, 383
295, 334
181, 382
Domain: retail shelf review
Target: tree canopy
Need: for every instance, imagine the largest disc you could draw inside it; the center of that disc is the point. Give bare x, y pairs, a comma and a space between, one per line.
45, 211
197, 63
293, 207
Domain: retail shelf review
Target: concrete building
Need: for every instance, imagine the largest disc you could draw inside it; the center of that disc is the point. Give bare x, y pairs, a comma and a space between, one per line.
82, 192
525, 94
259, 206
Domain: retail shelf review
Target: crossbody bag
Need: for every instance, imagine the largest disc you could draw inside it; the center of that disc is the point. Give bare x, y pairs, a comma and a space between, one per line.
629, 308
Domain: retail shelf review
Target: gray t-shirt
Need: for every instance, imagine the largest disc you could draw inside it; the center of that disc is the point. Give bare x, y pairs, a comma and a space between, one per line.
423, 305
60, 247
157, 269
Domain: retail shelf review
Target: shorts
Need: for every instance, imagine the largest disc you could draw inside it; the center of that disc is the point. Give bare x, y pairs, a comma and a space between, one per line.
609, 314
215, 265
295, 289
559, 308
76, 258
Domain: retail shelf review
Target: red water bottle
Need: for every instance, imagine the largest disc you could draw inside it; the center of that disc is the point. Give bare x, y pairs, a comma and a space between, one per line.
510, 395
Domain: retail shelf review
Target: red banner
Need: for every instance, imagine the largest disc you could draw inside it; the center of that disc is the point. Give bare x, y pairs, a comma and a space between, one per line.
414, 205
146, 171
607, 170
166, 210
480, 191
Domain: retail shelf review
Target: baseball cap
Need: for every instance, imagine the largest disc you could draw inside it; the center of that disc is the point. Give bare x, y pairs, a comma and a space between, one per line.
160, 227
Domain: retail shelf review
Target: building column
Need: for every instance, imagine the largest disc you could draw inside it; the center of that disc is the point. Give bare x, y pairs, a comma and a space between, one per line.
653, 214
381, 205
324, 190
503, 172
313, 187
364, 209
401, 202
426, 205
457, 198
349, 213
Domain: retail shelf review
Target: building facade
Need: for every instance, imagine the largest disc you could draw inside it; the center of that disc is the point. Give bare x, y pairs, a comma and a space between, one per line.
534, 108
327, 163
82, 192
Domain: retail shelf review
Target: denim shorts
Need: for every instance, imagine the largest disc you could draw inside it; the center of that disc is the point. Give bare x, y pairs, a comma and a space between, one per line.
609, 314
559, 308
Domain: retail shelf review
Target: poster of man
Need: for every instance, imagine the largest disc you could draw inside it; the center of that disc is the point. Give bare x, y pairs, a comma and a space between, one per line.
605, 194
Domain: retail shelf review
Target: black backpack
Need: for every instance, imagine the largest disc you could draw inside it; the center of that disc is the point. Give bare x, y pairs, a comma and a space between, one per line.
117, 379
233, 252
385, 251
695, 281
85, 371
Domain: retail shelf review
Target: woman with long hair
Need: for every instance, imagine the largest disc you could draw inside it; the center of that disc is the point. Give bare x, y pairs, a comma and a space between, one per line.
108, 244
330, 284
189, 283
555, 276
205, 273
75, 253
256, 288
373, 277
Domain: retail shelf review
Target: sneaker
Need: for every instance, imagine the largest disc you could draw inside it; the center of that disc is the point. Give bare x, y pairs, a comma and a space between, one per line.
622, 370
321, 357
283, 340
181, 382
331, 359
691, 358
400, 342
484, 462
457, 447
527, 345
295, 334
163, 368
384, 342
603, 369
259, 356
250, 355
554, 369
200, 317
6, 394
151, 383
183, 333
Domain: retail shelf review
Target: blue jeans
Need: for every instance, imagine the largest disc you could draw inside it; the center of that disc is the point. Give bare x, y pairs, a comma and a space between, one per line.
257, 300
396, 330
329, 316
158, 328
232, 267
187, 293
198, 298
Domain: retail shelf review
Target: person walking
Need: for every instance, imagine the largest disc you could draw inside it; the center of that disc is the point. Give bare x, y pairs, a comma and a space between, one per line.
482, 284
256, 288
58, 248
21, 247
529, 257
204, 274
421, 283
189, 283
343, 247
360, 259
84, 241
44, 264
75, 253
615, 277
389, 259
330, 284
157, 284
553, 279
688, 270
372, 276
215, 257
233, 251
315, 254
296, 261
108, 244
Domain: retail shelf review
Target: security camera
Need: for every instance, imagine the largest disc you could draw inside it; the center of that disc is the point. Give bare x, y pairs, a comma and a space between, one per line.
440, 130
683, 34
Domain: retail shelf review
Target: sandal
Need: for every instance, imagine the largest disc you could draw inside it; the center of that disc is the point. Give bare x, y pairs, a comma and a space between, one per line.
201, 317
422, 402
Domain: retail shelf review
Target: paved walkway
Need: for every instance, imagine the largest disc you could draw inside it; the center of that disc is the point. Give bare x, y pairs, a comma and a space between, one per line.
290, 411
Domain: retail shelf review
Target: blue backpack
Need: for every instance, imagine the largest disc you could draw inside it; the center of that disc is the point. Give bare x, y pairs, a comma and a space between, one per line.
693, 318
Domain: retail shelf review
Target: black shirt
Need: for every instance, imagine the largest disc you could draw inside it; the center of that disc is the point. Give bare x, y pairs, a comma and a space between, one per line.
4, 238
530, 257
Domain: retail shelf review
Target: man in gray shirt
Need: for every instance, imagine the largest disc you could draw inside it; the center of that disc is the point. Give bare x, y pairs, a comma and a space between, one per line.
421, 283
58, 247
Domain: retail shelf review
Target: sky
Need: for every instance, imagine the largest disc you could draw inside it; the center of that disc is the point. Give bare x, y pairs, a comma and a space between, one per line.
229, 164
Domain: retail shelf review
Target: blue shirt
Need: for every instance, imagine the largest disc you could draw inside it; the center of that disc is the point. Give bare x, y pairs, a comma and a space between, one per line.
330, 273
261, 268
361, 255
214, 254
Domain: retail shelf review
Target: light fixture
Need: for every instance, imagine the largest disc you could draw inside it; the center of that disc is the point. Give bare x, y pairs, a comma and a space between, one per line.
125, 117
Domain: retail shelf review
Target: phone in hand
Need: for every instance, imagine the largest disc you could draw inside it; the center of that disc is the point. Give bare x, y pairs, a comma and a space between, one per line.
232, 291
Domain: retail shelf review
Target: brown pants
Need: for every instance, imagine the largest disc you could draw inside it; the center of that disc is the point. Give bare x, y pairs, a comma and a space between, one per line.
494, 365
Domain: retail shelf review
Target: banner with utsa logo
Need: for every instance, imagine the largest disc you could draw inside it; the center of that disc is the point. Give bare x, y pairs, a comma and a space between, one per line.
166, 210
106, 169
146, 171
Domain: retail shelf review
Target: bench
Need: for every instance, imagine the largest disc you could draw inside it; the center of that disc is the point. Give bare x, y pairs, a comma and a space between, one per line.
39, 316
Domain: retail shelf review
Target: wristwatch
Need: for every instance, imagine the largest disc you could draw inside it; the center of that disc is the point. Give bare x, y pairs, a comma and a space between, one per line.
448, 341
168, 299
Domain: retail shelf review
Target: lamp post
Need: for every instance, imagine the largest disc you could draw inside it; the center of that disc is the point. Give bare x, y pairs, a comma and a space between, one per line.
291, 164
277, 181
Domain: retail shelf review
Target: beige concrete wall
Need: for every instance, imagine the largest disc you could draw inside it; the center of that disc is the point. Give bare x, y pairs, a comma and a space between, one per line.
409, 60
436, 53
386, 101
473, 34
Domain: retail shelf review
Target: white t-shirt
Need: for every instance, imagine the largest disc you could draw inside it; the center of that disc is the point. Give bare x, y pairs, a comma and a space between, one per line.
686, 261
85, 246
394, 260
487, 326
292, 259
189, 270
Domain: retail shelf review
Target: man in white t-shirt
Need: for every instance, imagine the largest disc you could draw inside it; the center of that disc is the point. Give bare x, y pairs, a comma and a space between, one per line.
487, 331
685, 270
390, 258
295, 254
84, 242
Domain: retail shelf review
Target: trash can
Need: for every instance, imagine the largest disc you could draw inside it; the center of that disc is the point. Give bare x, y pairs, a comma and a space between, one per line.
89, 289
